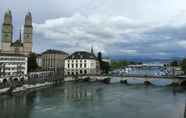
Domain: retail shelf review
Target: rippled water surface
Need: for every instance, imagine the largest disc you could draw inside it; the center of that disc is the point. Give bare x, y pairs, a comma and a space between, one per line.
95, 100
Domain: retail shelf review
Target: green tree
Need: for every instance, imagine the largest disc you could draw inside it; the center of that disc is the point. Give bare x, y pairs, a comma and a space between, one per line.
123, 63
174, 63
183, 65
119, 64
105, 67
32, 64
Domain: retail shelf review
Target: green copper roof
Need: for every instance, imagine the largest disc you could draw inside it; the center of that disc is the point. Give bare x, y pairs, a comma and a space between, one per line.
8, 12
17, 43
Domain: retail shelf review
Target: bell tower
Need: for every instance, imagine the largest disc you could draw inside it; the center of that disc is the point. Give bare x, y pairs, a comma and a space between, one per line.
7, 31
27, 42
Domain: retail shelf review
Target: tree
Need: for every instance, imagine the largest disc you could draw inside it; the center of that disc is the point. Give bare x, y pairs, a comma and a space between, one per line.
104, 66
119, 64
123, 63
32, 64
183, 65
174, 63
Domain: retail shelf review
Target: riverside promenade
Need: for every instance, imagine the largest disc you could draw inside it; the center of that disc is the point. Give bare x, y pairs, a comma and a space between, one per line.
14, 84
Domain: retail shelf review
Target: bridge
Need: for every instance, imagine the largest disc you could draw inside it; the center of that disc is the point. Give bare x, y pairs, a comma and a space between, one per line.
171, 80
146, 65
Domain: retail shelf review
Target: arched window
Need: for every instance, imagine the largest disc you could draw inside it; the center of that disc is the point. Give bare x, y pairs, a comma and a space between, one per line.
85, 71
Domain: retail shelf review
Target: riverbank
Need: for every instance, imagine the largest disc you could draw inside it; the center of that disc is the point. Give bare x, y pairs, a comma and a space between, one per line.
25, 87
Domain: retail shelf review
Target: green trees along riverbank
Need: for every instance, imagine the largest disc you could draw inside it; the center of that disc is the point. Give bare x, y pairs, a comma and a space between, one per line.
122, 63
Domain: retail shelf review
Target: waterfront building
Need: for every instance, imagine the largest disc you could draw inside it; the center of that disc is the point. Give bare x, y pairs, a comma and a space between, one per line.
174, 71
22, 45
39, 60
53, 59
13, 64
82, 63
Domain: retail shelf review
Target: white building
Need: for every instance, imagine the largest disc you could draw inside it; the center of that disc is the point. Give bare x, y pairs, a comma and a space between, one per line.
13, 64
81, 63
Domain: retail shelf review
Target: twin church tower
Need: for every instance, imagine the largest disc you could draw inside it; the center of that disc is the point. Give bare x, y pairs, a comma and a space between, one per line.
20, 46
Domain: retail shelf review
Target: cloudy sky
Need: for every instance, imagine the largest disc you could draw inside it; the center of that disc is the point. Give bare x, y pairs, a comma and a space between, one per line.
118, 28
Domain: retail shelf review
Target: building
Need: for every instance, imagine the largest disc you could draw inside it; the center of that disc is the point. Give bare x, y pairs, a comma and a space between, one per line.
81, 63
21, 45
53, 59
174, 71
13, 64
39, 60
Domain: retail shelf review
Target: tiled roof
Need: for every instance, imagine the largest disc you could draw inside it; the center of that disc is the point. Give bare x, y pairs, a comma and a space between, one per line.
17, 43
81, 55
50, 51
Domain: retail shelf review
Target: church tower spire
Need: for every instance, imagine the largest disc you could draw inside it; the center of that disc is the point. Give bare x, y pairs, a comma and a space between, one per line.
28, 32
7, 32
7, 28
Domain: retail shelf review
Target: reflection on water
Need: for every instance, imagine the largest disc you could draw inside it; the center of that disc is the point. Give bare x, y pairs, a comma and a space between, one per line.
95, 100
17, 106
77, 92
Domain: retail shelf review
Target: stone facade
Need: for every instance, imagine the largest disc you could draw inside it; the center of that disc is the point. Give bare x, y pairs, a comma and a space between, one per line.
53, 59
19, 46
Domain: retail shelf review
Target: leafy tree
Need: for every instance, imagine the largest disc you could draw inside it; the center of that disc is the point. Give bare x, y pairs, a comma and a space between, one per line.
174, 63
183, 65
123, 63
99, 56
104, 66
119, 64
32, 64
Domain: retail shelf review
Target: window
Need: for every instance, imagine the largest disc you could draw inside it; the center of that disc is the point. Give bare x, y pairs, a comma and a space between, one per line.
81, 71
85, 71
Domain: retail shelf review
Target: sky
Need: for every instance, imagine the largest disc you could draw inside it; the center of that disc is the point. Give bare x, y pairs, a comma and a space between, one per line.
117, 28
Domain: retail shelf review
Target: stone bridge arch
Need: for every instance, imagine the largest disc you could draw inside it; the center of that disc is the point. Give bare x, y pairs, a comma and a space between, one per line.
5, 81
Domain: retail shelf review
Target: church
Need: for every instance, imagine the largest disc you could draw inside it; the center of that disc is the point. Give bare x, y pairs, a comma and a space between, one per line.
21, 45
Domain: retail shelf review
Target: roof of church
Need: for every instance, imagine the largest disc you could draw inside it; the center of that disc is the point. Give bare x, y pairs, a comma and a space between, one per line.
51, 51
17, 43
29, 14
82, 55
8, 12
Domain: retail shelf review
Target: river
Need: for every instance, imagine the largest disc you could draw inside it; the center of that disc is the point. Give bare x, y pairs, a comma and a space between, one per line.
95, 100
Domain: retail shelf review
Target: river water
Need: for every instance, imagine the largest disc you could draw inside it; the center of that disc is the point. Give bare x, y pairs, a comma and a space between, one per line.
95, 100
